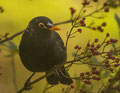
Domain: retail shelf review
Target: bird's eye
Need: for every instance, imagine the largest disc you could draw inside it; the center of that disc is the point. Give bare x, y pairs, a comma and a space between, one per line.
42, 25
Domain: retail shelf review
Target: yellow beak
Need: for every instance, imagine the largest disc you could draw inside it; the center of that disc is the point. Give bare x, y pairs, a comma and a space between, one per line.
54, 28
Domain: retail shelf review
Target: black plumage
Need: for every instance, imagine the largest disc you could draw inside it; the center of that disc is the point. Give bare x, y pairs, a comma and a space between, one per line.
42, 49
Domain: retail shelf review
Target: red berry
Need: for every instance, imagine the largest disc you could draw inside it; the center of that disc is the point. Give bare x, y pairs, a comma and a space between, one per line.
113, 58
109, 54
95, 0
94, 28
118, 89
83, 77
110, 80
72, 86
88, 45
87, 82
102, 91
106, 62
116, 65
96, 40
99, 27
82, 21
72, 10
83, 18
79, 30
97, 78
111, 40
83, 24
6, 34
106, 9
94, 77
98, 46
107, 65
108, 42
76, 47
97, 72
104, 24
117, 60
94, 68
115, 41
87, 73
107, 35
111, 69
81, 74
93, 72
105, 4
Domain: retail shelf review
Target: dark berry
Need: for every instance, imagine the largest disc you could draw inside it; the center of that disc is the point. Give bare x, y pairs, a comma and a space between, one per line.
106, 9
104, 24
79, 30
94, 68
96, 40
107, 35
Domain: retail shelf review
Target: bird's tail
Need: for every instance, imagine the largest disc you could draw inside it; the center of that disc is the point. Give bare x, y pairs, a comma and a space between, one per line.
61, 76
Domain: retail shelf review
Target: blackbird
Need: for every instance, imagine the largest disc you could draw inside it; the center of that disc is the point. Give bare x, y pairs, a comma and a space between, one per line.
41, 49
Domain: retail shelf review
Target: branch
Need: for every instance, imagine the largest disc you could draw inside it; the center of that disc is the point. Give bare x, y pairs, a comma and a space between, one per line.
11, 37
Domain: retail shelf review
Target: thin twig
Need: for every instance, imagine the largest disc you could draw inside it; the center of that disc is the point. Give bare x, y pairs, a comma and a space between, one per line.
11, 37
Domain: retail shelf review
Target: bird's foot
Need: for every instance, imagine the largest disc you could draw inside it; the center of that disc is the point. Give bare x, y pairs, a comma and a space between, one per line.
55, 69
27, 85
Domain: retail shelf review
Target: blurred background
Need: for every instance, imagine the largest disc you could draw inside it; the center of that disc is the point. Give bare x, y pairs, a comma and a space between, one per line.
15, 18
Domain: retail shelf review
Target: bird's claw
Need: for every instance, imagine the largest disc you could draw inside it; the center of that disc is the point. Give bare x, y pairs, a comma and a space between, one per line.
55, 69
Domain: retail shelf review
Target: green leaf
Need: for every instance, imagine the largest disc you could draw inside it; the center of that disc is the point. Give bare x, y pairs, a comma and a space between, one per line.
117, 18
94, 60
105, 75
11, 45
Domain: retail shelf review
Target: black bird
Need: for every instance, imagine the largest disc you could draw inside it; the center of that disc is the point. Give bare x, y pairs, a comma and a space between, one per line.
41, 49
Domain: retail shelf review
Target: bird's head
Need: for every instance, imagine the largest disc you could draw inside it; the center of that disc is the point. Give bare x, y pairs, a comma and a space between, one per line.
42, 23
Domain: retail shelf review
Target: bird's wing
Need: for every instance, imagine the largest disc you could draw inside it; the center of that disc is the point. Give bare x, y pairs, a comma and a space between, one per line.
59, 41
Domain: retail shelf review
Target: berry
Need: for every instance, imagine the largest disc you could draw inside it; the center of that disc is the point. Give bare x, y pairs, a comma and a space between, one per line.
98, 46
82, 21
76, 47
79, 30
72, 86
111, 69
94, 28
97, 72
87, 73
106, 62
81, 74
115, 41
95, 0
108, 42
117, 60
83, 18
110, 80
104, 24
94, 77
97, 78
83, 24
107, 35
106, 9
116, 65
105, 4
72, 10
107, 65
96, 40
94, 68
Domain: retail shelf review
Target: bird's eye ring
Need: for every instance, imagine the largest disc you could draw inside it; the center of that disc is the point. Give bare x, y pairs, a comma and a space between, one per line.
42, 25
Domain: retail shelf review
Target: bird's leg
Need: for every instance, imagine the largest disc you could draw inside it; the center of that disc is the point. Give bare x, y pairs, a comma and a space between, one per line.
27, 84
